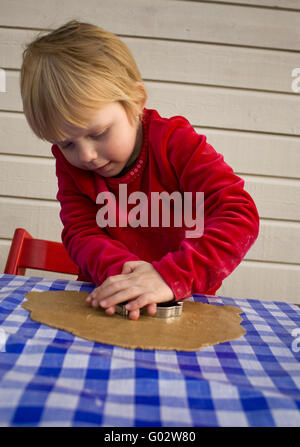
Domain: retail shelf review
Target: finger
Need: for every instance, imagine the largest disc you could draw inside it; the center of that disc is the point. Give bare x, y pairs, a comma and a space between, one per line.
110, 282
120, 297
110, 310
111, 289
152, 309
94, 303
89, 299
139, 302
134, 315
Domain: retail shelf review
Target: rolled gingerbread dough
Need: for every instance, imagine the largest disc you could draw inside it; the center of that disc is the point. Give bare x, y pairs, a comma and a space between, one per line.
200, 324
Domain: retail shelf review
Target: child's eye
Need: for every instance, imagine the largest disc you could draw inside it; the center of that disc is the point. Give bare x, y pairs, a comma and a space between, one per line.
99, 135
66, 146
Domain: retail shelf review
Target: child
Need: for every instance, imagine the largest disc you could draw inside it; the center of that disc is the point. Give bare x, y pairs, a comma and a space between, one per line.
83, 92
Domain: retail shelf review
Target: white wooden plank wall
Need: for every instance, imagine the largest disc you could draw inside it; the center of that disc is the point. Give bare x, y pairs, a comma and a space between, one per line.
226, 66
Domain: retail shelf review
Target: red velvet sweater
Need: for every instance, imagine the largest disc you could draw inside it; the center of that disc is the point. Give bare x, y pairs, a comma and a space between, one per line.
173, 157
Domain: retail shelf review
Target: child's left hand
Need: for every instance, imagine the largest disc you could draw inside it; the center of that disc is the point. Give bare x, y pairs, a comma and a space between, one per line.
138, 283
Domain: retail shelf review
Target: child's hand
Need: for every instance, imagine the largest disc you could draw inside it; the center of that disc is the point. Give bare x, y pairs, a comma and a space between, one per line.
138, 283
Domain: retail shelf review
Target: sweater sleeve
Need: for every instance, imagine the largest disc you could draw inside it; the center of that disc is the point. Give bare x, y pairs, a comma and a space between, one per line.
96, 253
231, 221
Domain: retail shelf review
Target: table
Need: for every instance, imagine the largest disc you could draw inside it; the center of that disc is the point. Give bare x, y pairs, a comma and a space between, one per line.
49, 377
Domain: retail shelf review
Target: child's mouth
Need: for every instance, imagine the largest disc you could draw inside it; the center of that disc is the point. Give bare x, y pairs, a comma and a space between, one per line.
103, 168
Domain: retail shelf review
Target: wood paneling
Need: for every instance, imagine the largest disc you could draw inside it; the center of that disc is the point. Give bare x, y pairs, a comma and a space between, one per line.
226, 66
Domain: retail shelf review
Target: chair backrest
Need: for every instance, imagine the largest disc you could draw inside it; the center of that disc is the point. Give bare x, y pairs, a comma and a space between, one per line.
27, 252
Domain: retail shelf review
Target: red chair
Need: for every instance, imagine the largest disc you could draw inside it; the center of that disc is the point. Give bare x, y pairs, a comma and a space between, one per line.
27, 252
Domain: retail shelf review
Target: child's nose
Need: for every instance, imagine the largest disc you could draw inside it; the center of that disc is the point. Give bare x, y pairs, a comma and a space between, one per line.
87, 152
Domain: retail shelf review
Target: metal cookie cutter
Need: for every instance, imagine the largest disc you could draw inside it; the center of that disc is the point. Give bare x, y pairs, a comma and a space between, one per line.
164, 310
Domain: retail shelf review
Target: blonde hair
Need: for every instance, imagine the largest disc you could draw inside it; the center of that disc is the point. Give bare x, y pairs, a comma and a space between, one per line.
71, 72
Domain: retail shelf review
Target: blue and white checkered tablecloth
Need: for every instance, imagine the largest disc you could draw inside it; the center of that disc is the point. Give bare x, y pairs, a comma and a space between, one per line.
49, 377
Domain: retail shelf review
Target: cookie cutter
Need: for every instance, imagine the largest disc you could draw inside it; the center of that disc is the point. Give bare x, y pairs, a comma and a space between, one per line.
169, 309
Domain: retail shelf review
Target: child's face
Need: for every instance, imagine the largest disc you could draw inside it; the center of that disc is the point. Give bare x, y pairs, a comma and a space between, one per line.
108, 144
